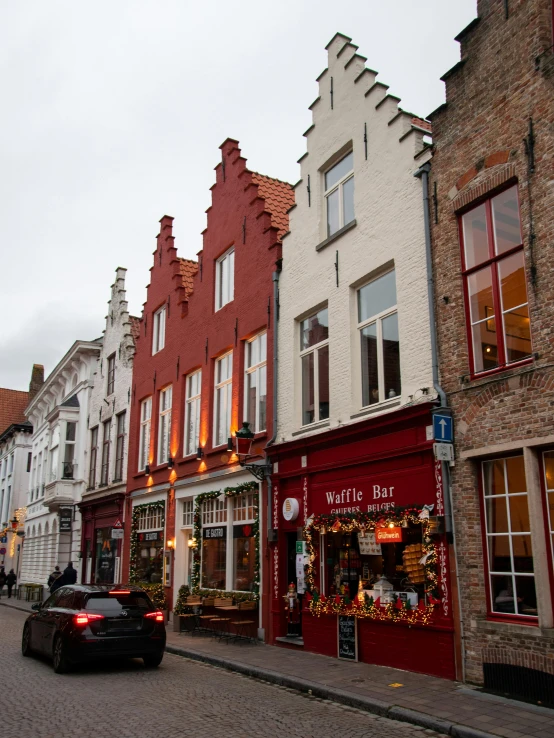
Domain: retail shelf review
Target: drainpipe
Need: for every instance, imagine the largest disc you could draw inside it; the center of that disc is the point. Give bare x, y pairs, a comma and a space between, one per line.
423, 174
271, 441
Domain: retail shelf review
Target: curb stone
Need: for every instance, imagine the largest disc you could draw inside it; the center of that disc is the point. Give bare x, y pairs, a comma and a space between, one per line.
367, 704
16, 607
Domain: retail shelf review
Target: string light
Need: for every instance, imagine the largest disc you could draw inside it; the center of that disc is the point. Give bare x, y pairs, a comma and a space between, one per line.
398, 611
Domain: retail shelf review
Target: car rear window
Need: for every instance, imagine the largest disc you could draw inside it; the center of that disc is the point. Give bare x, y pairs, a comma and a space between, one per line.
112, 605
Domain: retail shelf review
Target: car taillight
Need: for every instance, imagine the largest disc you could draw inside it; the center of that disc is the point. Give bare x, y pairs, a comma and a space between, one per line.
158, 616
85, 618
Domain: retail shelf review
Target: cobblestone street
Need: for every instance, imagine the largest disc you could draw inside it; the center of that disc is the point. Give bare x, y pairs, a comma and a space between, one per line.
181, 698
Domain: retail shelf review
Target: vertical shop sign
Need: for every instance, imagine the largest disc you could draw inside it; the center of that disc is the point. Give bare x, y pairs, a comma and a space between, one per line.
305, 499
443, 577
439, 487
347, 637
66, 518
275, 573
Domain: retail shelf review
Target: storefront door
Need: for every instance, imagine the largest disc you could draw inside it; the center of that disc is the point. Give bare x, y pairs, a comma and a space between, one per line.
106, 552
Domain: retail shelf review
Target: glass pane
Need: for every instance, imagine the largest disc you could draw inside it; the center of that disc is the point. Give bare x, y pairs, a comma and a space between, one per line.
308, 415
348, 201
251, 393
517, 334
231, 275
479, 289
485, 347
523, 553
499, 553
262, 389
323, 372
377, 296
505, 218
474, 226
519, 514
513, 287
515, 469
391, 355
503, 594
263, 347
243, 563
314, 329
70, 431
526, 596
370, 378
213, 562
549, 469
339, 170
497, 515
333, 213
494, 477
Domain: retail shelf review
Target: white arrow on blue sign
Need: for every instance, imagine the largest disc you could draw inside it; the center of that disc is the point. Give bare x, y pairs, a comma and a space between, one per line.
442, 428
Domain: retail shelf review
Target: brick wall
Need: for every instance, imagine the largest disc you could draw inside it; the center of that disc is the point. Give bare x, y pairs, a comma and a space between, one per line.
505, 77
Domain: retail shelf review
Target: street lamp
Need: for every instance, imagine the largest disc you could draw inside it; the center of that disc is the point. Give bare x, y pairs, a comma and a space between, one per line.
243, 444
14, 522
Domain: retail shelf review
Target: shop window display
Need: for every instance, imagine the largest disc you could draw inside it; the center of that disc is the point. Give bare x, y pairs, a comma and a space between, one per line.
106, 552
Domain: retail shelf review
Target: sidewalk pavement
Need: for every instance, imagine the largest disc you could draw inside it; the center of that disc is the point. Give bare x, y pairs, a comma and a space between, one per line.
448, 707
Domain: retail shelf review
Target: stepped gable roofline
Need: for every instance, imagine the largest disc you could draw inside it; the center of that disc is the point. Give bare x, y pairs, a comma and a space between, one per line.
12, 407
347, 39
135, 326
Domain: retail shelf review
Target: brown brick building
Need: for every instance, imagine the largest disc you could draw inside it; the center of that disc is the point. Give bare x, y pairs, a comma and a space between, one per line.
492, 220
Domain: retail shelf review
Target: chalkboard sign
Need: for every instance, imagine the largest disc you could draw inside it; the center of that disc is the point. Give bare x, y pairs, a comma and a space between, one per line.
347, 637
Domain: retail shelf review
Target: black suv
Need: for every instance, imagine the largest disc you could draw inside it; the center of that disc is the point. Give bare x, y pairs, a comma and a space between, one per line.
83, 622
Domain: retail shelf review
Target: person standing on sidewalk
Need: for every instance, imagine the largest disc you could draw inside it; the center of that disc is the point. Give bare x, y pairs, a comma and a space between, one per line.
69, 574
55, 575
10, 581
2, 579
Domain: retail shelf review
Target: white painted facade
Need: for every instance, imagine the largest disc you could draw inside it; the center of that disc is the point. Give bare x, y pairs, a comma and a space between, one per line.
58, 472
15, 447
106, 465
354, 114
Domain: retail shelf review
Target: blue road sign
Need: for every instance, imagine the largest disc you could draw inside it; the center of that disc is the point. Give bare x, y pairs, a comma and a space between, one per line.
442, 428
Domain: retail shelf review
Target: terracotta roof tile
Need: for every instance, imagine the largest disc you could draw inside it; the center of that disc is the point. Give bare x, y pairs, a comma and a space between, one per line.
422, 124
188, 269
135, 327
278, 196
12, 406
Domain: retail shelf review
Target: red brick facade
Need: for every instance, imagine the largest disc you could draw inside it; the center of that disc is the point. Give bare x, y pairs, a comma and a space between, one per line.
505, 79
249, 212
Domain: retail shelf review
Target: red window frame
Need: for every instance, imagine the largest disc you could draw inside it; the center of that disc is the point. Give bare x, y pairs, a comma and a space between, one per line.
493, 615
492, 262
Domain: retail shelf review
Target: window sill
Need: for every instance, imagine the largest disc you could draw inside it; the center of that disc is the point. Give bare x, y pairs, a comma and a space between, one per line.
498, 373
378, 407
311, 427
336, 235
515, 625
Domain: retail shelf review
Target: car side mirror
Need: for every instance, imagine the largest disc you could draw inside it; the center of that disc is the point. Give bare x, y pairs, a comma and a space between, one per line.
37, 606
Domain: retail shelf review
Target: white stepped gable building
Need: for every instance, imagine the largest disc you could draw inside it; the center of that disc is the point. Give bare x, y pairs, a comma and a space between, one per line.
108, 425
58, 414
354, 336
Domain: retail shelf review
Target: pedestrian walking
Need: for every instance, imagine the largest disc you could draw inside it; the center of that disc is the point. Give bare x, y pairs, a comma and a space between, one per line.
10, 581
69, 574
2, 579
55, 575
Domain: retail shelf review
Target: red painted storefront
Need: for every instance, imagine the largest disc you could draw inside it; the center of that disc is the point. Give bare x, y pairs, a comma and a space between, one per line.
377, 465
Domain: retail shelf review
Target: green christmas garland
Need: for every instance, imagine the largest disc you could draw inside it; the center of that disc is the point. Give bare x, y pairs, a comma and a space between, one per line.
197, 536
134, 537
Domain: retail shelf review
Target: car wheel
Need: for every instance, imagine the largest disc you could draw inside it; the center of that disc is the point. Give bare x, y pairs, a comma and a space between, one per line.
61, 665
26, 640
153, 660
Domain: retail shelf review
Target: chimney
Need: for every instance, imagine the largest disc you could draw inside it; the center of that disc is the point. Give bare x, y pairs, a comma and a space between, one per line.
37, 380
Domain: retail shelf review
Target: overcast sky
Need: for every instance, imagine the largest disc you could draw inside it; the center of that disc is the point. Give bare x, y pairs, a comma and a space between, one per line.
112, 115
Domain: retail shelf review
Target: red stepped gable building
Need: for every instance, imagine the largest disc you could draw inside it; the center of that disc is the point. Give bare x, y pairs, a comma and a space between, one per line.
203, 366
492, 205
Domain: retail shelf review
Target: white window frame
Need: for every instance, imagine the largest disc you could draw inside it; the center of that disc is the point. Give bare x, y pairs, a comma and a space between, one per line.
150, 518
164, 424
110, 383
158, 330
223, 389
191, 433
243, 508
378, 320
145, 432
225, 293
258, 371
339, 185
315, 349
214, 512
188, 514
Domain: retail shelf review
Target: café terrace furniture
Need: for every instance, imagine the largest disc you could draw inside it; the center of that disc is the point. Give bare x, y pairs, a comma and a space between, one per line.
30, 592
244, 628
